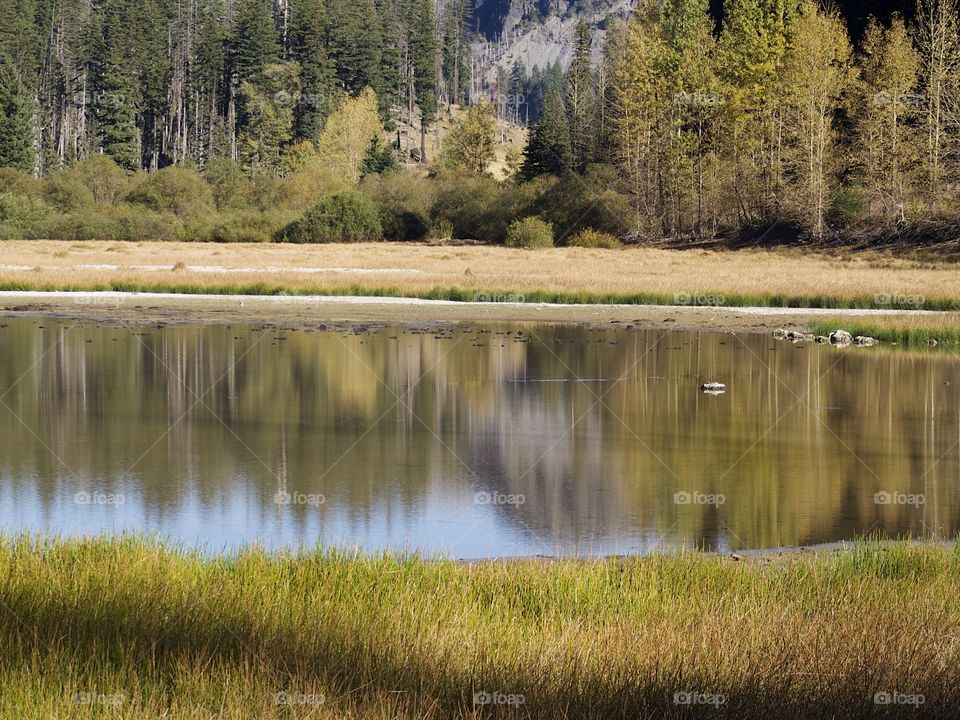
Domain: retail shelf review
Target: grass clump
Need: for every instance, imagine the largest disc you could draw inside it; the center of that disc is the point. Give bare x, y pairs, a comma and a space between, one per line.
176, 635
530, 232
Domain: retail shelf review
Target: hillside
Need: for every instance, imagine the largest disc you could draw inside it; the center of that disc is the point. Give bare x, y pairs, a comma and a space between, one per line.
537, 34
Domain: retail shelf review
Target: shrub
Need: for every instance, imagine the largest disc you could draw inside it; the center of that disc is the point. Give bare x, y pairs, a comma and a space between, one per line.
228, 183
590, 238
106, 181
244, 226
530, 232
178, 190
66, 193
124, 222
343, 217
17, 182
404, 200
19, 213
576, 203
480, 207
301, 190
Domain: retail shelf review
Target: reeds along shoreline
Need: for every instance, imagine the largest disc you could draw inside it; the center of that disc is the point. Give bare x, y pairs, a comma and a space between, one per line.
129, 628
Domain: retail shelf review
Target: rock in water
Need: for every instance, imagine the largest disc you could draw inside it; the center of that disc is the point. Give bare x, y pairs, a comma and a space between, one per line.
864, 341
713, 388
841, 338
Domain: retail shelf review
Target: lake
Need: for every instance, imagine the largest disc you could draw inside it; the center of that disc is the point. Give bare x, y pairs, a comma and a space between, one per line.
470, 441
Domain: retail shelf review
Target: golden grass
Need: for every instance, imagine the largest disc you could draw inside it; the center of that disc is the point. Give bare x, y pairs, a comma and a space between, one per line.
787, 273
126, 628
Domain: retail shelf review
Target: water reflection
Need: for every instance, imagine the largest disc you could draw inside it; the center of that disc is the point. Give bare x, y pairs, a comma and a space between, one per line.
473, 441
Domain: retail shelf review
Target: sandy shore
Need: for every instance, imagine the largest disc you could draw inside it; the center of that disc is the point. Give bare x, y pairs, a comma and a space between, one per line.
152, 308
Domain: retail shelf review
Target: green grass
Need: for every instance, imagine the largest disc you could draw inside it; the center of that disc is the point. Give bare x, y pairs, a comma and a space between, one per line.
459, 294
168, 634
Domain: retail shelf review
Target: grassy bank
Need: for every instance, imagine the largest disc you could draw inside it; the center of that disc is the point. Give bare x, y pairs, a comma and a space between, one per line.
495, 295
915, 333
130, 629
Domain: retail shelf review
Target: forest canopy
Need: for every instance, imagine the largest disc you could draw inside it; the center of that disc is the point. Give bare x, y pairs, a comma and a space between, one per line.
230, 120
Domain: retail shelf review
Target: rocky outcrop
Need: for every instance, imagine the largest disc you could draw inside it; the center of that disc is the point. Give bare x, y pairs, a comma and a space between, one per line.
841, 338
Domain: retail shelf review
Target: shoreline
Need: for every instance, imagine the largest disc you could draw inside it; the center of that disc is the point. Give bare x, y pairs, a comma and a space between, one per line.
175, 308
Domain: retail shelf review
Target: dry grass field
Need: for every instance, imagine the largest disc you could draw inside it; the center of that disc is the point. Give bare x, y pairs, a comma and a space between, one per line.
703, 277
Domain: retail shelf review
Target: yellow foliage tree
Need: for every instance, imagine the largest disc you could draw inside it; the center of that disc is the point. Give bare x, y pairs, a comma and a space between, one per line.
817, 72
346, 136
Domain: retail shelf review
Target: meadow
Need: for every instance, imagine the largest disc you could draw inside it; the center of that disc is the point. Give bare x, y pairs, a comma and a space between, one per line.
635, 275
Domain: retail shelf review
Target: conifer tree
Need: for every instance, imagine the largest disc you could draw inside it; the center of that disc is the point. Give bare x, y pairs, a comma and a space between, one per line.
308, 37
16, 119
423, 53
116, 94
355, 44
254, 44
581, 99
548, 152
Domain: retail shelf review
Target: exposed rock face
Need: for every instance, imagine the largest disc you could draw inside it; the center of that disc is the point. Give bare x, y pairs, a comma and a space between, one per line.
538, 32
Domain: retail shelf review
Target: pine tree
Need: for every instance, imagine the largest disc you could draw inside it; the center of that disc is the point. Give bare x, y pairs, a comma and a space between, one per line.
456, 50
423, 53
355, 44
269, 123
581, 99
16, 120
254, 43
115, 99
548, 152
308, 36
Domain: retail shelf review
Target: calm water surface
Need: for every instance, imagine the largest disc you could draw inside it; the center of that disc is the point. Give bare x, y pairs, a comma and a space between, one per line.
472, 441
